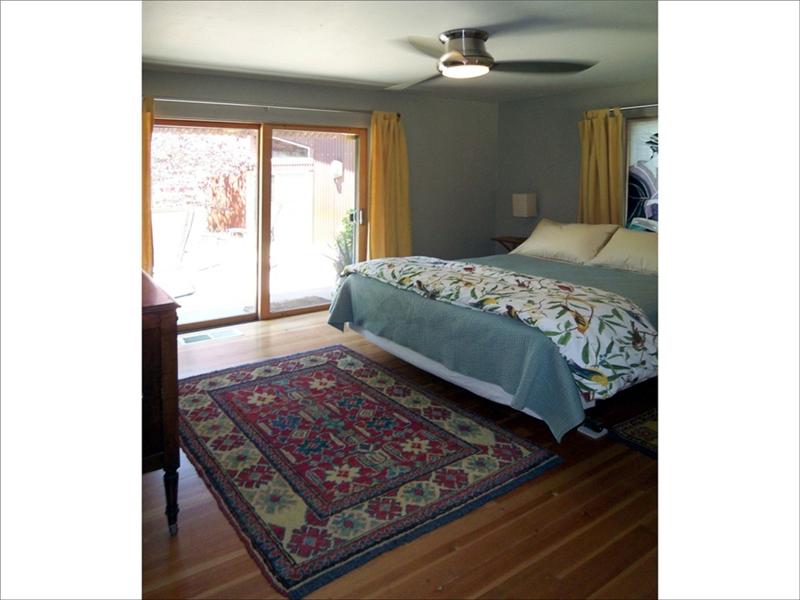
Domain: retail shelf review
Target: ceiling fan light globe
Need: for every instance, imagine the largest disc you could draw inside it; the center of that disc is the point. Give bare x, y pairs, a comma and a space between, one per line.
463, 71
456, 65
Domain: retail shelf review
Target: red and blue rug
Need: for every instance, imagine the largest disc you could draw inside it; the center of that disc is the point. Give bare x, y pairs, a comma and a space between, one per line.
325, 459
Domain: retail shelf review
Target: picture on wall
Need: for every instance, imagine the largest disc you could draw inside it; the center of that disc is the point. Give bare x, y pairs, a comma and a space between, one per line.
642, 190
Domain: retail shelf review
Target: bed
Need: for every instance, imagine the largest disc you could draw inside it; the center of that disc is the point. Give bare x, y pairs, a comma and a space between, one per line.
498, 358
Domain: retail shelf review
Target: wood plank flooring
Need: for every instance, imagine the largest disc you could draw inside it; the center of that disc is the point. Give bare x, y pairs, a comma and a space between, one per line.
586, 529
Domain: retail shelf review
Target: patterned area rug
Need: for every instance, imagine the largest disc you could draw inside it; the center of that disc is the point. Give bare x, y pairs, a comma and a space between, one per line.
325, 459
640, 433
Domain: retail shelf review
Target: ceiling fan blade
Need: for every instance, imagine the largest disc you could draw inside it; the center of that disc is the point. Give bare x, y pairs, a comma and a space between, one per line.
530, 24
642, 19
541, 66
428, 46
408, 84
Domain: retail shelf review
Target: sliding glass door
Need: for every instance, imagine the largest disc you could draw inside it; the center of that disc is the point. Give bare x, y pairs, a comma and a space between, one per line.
205, 184
253, 220
316, 213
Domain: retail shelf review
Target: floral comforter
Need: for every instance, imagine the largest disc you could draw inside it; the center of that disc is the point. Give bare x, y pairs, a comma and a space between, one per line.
607, 341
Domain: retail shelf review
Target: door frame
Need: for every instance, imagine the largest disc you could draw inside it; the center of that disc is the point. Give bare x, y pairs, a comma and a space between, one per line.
263, 303
264, 208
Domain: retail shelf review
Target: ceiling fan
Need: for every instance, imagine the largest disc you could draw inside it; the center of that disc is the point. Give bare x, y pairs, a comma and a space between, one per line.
462, 54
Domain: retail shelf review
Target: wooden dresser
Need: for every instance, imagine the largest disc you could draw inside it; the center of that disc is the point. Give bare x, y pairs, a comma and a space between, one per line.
160, 391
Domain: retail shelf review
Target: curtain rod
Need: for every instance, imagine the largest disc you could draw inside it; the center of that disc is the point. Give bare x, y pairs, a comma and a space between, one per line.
264, 106
640, 106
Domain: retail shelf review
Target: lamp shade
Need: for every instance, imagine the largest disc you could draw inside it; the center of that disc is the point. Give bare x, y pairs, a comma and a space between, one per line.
524, 205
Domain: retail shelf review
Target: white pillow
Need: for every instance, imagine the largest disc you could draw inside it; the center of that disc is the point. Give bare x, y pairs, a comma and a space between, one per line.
573, 242
630, 250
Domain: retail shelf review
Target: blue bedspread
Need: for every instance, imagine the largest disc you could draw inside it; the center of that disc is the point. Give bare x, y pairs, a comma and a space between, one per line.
499, 350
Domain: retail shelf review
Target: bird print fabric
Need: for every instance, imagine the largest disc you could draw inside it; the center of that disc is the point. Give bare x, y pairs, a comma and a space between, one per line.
607, 341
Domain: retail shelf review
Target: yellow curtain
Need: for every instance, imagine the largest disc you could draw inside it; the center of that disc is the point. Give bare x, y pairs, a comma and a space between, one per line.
389, 216
147, 220
602, 167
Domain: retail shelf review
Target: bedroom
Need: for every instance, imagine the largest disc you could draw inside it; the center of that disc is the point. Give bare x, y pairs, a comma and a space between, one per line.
453, 170
471, 416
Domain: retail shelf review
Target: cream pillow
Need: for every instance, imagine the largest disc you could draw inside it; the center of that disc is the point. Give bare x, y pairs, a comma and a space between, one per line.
630, 250
573, 242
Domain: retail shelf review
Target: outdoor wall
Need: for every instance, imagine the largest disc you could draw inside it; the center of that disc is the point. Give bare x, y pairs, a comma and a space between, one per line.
452, 144
539, 151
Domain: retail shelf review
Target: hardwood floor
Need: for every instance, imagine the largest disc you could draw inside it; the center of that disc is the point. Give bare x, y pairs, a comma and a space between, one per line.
586, 529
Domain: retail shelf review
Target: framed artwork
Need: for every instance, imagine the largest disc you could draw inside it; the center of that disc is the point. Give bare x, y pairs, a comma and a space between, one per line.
641, 198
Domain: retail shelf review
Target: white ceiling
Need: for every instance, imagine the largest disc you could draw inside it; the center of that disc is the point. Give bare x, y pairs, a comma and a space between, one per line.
366, 43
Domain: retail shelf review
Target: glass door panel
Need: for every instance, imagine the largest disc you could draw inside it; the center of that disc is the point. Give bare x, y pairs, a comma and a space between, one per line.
314, 198
205, 212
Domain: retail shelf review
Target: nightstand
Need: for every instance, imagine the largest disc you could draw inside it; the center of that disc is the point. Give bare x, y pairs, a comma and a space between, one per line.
509, 242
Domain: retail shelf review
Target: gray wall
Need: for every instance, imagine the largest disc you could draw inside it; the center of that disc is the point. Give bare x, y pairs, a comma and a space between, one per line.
539, 151
452, 145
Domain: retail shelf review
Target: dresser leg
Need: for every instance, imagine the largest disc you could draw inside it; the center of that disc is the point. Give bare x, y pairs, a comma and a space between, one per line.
171, 489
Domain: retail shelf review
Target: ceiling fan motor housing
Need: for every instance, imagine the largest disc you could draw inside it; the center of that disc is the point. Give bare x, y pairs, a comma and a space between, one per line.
465, 47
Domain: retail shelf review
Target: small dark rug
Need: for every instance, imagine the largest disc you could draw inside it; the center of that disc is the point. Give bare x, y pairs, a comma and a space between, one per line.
325, 459
640, 432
